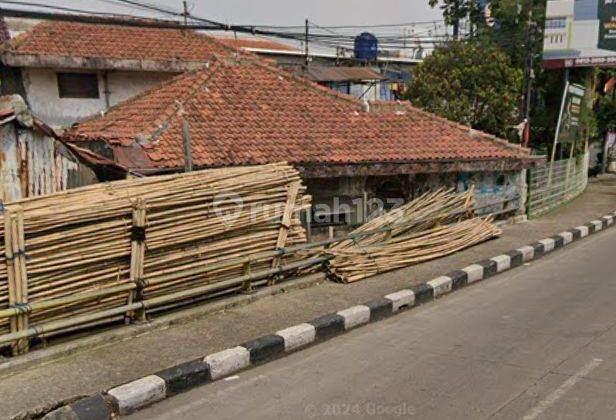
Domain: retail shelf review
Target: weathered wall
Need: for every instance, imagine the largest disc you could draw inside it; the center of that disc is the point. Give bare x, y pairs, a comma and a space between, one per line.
346, 194
32, 164
42, 94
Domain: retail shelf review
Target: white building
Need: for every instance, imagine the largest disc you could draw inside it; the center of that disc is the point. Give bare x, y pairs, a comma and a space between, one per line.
571, 35
70, 71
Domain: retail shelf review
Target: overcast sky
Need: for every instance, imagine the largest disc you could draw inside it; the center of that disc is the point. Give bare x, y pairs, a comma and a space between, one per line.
282, 12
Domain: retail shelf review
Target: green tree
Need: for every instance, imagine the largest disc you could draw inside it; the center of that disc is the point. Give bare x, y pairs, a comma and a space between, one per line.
606, 103
472, 83
453, 11
517, 30
606, 113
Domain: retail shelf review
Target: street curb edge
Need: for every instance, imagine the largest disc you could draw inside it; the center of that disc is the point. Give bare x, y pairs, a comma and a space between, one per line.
137, 394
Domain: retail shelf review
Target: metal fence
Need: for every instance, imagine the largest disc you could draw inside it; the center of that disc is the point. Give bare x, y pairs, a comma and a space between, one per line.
547, 191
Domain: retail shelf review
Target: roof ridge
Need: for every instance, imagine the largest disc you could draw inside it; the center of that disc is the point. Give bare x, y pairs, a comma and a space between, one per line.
310, 84
472, 131
164, 84
12, 45
202, 79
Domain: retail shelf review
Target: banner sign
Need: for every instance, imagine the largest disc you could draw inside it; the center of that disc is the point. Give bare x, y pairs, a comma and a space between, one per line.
607, 24
569, 126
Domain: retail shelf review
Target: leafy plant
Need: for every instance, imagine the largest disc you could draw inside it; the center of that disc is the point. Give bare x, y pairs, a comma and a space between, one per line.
472, 83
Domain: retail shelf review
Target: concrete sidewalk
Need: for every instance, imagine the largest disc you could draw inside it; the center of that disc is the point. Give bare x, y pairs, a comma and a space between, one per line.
89, 371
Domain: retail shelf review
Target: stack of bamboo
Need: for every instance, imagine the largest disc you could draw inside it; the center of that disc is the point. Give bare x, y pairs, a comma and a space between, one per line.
104, 246
434, 225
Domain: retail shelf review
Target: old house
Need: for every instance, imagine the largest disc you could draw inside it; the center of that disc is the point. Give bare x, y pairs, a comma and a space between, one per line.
68, 71
33, 161
384, 79
246, 112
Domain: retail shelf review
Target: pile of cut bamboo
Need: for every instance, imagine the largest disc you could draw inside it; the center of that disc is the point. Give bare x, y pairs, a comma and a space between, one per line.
434, 225
91, 252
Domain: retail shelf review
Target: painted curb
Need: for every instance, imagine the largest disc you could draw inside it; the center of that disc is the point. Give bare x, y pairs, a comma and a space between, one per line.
145, 391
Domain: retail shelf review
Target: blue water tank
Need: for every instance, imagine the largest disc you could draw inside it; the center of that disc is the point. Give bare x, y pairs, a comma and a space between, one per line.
366, 47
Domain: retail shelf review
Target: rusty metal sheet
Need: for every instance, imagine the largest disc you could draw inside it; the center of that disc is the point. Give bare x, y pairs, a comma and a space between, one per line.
339, 74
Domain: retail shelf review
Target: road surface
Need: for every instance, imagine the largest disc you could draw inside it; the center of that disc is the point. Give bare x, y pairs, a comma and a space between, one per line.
536, 343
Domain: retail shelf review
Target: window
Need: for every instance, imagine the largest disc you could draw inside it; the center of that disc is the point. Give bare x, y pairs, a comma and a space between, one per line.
78, 85
553, 23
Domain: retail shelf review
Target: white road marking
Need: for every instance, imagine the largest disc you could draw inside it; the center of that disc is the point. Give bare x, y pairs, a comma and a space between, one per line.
561, 390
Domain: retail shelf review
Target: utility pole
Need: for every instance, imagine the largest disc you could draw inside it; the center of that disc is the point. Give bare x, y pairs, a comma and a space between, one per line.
306, 36
188, 164
185, 14
529, 74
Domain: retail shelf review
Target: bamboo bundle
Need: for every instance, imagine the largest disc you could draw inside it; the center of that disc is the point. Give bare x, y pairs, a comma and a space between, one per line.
434, 225
105, 246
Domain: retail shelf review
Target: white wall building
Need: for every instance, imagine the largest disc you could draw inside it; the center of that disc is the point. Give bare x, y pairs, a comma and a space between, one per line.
69, 71
571, 35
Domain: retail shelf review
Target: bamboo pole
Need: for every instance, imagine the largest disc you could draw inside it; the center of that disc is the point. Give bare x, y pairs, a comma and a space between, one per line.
83, 257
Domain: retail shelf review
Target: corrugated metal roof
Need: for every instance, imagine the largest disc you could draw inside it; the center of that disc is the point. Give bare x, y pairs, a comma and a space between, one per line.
339, 74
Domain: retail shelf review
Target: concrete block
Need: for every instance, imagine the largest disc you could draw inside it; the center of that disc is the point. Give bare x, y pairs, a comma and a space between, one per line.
297, 336
137, 394
474, 273
583, 231
228, 361
559, 242
94, 407
185, 376
548, 244
458, 278
62, 413
328, 326
598, 225
489, 268
528, 252
423, 292
441, 285
567, 237
379, 308
538, 249
516, 258
355, 316
265, 348
404, 298
503, 262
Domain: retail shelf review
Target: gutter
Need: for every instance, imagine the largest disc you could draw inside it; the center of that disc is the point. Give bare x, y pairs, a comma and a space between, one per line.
98, 63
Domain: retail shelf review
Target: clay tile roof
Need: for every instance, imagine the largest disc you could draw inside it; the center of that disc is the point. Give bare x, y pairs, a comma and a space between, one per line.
251, 113
109, 41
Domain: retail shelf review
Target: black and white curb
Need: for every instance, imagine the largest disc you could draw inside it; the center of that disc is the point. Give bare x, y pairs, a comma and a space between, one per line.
142, 392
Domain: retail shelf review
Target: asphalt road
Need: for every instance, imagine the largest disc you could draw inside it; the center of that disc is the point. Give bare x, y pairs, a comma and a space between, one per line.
536, 343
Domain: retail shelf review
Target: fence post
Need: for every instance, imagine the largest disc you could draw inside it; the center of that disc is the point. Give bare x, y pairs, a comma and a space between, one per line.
14, 249
529, 192
285, 222
137, 259
247, 285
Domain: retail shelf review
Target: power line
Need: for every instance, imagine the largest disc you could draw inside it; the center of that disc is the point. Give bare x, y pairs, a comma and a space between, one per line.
332, 40
62, 8
146, 6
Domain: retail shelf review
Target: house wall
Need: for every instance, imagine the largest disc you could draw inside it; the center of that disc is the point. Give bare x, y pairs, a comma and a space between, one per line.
41, 88
33, 164
343, 198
